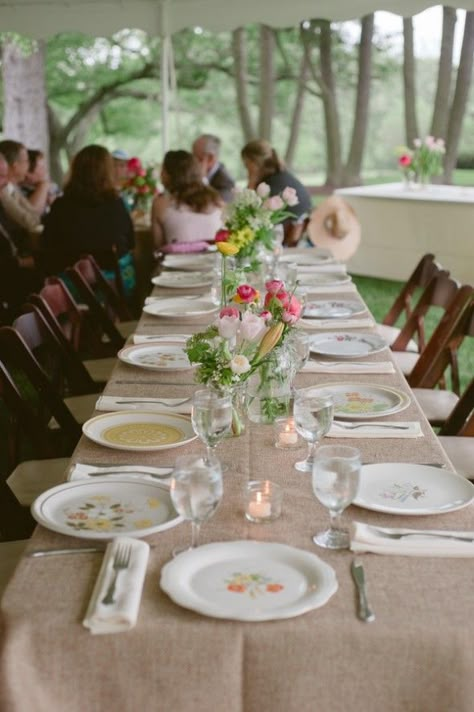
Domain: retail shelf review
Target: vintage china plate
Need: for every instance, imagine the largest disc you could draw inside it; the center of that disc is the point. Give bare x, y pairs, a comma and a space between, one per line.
314, 256
183, 280
172, 308
140, 430
346, 345
356, 401
104, 508
248, 580
324, 309
323, 279
412, 489
156, 357
190, 263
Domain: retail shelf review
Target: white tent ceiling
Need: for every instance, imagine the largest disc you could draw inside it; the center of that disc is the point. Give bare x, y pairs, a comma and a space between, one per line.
43, 18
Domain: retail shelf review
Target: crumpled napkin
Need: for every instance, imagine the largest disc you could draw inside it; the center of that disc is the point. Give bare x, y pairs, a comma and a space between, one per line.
174, 405
376, 429
122, 614
365, 537
342, 367
339, 323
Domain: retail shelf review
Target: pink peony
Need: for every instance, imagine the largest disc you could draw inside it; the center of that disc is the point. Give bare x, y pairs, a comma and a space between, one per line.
274, 285
263, 190
290, 197
229, 311
265, 314
274, 203
405, 160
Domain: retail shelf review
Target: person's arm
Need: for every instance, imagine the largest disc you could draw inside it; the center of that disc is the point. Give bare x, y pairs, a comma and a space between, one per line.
39, 198
19, 210
158, 208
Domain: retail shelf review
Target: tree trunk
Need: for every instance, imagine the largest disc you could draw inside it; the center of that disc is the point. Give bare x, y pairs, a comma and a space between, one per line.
297, 110
439, 123
331, 116
25, 116
267, 78
411, 125
461, 95
361, 117
239, 51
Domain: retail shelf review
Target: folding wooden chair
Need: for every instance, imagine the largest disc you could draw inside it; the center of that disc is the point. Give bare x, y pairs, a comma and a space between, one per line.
457, 434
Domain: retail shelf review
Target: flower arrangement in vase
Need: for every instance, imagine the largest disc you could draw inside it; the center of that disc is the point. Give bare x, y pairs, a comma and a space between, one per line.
141, 185
243, 338
422, 162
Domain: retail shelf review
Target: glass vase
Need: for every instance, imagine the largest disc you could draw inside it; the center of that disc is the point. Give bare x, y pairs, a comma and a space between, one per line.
239, 409
269, 388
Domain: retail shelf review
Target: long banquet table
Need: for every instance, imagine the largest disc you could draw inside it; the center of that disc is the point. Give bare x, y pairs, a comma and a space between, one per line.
417, 656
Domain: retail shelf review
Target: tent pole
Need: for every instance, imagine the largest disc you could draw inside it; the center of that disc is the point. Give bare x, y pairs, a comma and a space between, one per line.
164, 74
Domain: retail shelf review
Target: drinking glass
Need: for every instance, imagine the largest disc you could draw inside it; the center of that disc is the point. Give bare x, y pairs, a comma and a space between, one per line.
335, 482
211, 416
313, 417
196, 490
300, 343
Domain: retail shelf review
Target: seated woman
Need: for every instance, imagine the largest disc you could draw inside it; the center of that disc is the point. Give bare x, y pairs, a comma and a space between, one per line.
189, 211
264, 166
90, 216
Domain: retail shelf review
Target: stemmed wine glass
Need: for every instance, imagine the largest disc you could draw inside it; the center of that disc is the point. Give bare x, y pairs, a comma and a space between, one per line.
196, 490
300, 343
211, 416
335, 482
313, 417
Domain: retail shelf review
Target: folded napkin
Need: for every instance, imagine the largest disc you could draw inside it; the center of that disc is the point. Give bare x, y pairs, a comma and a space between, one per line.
348, 367
367, 322
150, 338
335, 267
185, 247
122, 614
430, 542
376, 429
80, 471
335, 289
112, 403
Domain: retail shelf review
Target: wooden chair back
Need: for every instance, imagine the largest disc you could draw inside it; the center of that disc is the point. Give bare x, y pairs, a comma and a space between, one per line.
108, 295
64, 309
53, 262
461, 420
421, 276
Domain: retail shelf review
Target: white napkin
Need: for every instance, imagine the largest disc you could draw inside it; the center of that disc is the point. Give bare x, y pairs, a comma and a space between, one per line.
349, 367
80, 471
377, 429
336, 323
175, 405
336, 267
122, 614
150, 338
168, 300
336, 289
366, 538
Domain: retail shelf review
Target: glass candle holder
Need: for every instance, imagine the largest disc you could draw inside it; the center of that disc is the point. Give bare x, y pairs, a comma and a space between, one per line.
285, 435
262, 501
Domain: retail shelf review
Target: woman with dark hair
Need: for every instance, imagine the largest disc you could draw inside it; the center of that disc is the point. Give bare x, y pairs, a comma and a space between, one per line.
90, 215
189, 211
264, 166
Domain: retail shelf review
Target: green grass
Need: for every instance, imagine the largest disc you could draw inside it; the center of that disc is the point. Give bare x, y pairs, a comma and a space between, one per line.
379, 295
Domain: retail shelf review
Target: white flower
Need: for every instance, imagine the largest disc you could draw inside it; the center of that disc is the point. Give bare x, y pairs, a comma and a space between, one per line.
252, 327
417, 142
240, 364
263, 190
290, 197
227, 326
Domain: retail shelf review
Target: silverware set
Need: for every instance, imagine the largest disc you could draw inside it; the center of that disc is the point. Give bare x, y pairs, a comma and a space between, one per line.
120, 563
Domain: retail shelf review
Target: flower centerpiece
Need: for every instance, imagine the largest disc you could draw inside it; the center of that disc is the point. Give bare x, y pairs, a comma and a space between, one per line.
141, 184
424, 161
243, 338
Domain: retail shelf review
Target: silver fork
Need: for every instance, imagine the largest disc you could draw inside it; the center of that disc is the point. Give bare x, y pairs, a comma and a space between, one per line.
351, 426
155, 400
438, 535
121, 562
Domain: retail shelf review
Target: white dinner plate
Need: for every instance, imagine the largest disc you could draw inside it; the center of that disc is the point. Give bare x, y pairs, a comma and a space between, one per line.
313, 256
346, 345
157, 357
103, 508
139, 430
358, 401
323, 279
190, 263
248, 580
183, 280
324, 309
408, 488
180, 307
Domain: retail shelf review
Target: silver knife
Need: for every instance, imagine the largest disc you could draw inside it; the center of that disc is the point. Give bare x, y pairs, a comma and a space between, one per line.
36, 553
365, 613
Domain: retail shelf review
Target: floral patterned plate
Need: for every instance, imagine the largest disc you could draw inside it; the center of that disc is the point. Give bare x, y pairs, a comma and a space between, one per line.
183, 280
248, 580
190, 263
346, 345
104, 508
333, 309
140, 430
156, 357
412, 489
173, 308
312, 256
324, 279
359, 402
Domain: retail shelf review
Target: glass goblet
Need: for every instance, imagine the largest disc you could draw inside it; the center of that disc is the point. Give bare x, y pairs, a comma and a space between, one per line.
196, 490
211, 417
313, 418
336, 473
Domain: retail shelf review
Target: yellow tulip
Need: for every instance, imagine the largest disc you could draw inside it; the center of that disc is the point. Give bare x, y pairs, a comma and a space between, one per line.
270, 340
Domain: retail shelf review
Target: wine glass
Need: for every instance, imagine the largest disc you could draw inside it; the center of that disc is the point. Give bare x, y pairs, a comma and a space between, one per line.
211, 416
336, 473
300, 343
313, 417
196, 490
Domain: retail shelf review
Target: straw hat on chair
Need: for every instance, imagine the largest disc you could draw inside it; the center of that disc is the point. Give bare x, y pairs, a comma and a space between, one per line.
334, 226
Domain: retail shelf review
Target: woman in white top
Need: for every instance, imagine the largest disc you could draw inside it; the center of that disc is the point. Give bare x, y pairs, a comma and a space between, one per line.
189, 211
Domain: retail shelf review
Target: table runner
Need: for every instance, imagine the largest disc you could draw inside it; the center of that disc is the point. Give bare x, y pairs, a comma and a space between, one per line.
418, 655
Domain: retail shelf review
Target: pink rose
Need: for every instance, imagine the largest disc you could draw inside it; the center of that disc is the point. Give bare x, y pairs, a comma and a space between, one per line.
266, 315
263, 190
246, 294
274, 203
289, 318
405, 160
274, 285
134, 166
289, 196
222, 235
294, 307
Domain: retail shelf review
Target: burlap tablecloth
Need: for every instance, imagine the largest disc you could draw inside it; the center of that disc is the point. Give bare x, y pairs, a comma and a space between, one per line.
417, 657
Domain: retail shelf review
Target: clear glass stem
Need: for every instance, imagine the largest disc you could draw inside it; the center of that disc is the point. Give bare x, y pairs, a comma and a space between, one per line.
195, 529
311, 454
210, 452
335, 520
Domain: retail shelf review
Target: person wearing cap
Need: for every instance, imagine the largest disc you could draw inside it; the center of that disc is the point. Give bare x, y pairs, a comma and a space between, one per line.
120, 167
206, 149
